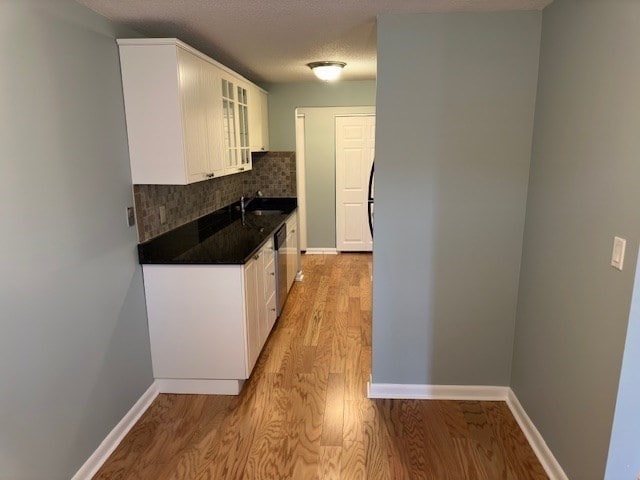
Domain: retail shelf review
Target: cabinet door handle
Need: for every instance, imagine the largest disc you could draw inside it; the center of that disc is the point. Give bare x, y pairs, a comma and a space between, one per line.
241, 169
273, 309
256, 257
272, 274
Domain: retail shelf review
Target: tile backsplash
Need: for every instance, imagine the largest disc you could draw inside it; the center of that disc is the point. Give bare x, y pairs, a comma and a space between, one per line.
274, 173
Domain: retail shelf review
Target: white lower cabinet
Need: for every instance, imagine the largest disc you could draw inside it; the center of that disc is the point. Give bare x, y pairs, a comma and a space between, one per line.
208, 323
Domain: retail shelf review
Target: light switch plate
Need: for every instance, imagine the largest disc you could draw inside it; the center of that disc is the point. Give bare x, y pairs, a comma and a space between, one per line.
163, 214
131, 218
617, 256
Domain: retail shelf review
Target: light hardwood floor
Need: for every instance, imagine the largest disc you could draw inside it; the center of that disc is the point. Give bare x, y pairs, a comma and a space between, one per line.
304, 414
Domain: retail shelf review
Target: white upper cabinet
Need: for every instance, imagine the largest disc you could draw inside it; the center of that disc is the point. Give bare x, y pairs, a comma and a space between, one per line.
200, 117
188, 117
258, 119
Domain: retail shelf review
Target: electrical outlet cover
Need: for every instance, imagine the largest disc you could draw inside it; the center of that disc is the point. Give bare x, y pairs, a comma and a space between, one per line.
163, 214
617, 256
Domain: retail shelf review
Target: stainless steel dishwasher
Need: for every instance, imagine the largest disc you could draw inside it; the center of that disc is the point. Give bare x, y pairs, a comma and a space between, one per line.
280, 244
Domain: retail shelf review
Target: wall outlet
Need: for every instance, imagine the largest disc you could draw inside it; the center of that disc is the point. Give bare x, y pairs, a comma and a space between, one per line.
163, 214
131, 218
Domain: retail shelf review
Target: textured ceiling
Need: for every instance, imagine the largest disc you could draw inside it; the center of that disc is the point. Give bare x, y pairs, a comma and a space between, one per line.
273, 40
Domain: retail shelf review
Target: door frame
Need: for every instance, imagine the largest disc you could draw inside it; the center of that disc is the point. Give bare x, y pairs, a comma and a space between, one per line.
301, 130
301, 185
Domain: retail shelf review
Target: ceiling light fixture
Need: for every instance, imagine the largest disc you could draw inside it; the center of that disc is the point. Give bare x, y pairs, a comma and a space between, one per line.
327, 71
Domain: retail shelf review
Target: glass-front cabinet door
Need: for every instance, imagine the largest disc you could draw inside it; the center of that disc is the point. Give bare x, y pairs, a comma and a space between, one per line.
243, 121
229, 127
235, 126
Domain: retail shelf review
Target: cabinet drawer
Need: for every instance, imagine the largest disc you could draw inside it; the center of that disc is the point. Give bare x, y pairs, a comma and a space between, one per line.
271, 311
292, 224
267, 251
269, 280
269, 269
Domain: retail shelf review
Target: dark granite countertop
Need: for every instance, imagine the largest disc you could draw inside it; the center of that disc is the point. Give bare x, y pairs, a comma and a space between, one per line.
221, 237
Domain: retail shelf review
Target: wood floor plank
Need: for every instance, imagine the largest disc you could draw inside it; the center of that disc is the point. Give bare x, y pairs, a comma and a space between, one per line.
365, 292
343, 297
355, 314
454, 419
365, 328
304, 413
278, 346
333, 412
352, 420
140, 440
520, 458
374, 438
396, 455
188, 462
415, 440
338, 351
267, 456
485, 440
439, 445
314, 326
329, 468
352, 460
305, 426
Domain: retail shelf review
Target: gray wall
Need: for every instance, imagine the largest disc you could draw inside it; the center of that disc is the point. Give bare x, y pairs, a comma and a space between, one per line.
573, 308
320, 171
455, 106
74, 346
284, 98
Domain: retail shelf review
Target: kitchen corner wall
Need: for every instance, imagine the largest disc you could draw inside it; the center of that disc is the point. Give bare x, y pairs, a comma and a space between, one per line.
274, 173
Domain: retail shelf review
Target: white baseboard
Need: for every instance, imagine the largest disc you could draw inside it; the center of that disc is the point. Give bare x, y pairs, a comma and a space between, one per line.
539, 446
113, 439
482, 393
437, 392
202, 387
321, 251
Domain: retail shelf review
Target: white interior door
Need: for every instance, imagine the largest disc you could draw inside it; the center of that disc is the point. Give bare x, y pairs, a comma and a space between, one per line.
355, 147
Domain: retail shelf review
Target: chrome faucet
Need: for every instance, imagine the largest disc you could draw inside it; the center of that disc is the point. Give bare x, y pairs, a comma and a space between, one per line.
244, 201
